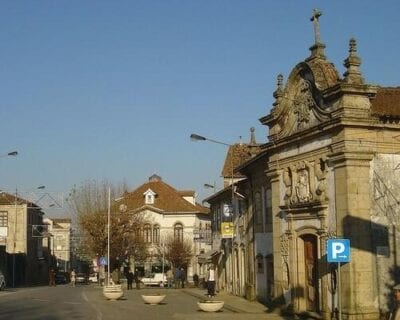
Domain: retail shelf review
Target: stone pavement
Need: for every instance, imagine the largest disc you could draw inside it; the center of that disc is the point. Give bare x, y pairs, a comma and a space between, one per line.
239, 305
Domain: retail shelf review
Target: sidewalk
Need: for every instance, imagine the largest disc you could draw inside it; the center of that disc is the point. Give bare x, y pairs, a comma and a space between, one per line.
237, 304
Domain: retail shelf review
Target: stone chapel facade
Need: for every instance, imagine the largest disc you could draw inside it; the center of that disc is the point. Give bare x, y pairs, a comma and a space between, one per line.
332, 169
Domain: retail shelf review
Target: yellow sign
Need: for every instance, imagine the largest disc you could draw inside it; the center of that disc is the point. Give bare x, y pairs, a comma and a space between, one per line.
227, 229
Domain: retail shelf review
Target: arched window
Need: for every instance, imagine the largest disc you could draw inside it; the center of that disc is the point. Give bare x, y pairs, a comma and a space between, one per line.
147, 233
178, 231
156, 233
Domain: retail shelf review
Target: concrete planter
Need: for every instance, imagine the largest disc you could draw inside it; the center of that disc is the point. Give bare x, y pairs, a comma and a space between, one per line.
210, 305
113, 292
153, 298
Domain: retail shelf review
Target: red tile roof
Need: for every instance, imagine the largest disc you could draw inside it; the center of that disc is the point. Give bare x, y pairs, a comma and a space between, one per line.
10, 199
238, 154
167, 199
386, 102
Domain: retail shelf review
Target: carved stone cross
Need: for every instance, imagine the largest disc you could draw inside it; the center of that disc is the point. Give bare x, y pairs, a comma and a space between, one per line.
314, 19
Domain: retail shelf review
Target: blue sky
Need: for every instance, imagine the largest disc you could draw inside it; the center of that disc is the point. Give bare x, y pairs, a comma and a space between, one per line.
113, 89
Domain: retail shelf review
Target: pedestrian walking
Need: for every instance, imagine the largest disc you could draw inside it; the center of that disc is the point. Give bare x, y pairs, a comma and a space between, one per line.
129, 279
73, 277
395, 313
136, 279
196, 280
183, 277
102, 276
211, 281
177, 277
170, 278
52, 278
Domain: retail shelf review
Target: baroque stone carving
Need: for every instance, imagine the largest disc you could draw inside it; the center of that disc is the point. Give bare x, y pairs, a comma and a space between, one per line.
303, 186
305, 182
320, 175
287, 181
285, 247
303, 103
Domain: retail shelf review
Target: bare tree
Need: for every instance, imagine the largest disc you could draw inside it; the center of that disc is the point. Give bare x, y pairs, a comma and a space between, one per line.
89, 203
177, 250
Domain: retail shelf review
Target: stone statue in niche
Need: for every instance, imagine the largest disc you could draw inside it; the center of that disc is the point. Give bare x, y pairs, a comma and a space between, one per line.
320, 174
303, 186
287, 181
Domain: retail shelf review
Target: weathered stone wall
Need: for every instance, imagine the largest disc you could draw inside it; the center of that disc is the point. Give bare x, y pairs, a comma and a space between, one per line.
385, 220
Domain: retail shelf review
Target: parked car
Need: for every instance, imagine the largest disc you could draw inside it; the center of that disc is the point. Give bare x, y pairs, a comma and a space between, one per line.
93, 278
82, 278
154, 279
61, 278
2, 281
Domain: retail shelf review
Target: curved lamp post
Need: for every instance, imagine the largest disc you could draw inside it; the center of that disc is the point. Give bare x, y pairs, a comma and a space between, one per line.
196, 137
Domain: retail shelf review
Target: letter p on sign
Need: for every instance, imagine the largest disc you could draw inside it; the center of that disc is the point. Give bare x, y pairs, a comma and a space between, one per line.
338, 250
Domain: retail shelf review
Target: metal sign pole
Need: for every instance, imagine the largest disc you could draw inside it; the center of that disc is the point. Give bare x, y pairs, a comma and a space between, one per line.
339, 294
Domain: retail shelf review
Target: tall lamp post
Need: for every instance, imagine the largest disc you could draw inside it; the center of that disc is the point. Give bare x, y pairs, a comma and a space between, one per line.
196, 137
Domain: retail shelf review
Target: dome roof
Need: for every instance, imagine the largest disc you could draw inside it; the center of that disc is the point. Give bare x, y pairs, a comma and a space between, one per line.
325, 73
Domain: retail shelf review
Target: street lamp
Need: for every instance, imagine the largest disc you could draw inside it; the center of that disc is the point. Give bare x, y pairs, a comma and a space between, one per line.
210, 186
196, 137
9, 154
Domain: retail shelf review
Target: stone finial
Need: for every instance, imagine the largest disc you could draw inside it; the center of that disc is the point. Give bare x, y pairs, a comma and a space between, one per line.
279, 87
279, 79
253, 136
352, 64
317, 50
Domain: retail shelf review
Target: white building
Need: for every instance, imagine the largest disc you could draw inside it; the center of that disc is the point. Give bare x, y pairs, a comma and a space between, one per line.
170, 211
59, 242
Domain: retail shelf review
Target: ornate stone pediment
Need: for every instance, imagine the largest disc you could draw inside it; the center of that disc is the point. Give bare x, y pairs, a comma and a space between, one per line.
300, 105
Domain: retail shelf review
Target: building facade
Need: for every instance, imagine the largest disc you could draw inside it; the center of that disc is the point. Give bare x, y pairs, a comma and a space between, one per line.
59, 242
329, 170
332, 171
169, 212
23, 261
232, 250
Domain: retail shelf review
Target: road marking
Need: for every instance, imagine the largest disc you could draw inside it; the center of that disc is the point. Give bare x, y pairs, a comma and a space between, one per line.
67, 302
84, 296
99, 315
43, 300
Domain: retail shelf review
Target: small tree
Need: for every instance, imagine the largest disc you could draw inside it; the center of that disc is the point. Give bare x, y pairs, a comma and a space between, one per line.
177, 250
89, 203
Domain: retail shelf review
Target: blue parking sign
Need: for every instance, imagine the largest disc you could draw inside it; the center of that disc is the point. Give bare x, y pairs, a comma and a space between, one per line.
338, 250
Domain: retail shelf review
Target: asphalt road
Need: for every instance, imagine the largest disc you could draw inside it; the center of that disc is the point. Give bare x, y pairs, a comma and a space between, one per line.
88, 302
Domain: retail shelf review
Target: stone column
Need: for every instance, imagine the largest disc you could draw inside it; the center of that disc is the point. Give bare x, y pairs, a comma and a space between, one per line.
353, 204
279, 283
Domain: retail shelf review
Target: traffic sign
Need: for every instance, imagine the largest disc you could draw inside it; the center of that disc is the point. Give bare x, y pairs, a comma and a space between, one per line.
338, 250
103, 261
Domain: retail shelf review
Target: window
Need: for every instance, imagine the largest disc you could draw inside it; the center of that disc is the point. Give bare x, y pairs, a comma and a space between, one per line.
260, 263
149, 196
138, 234
147, 233
156, 234
3, 218
59, 242
178, 231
